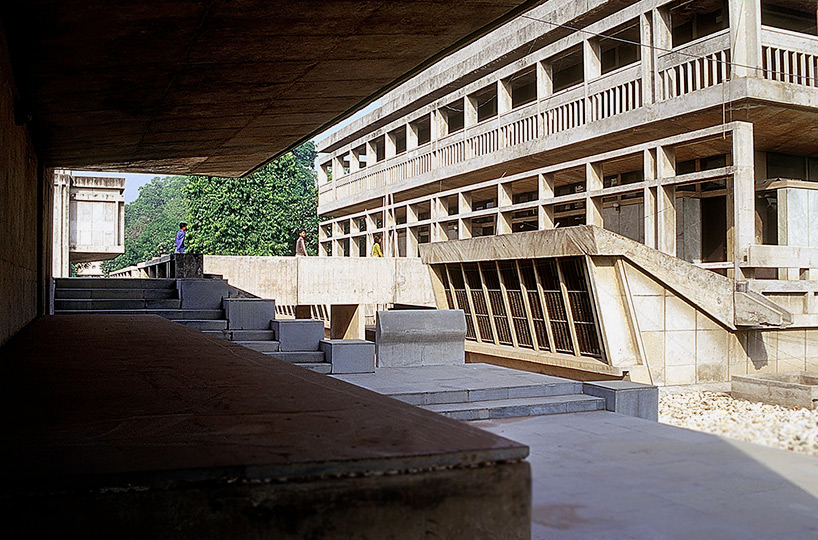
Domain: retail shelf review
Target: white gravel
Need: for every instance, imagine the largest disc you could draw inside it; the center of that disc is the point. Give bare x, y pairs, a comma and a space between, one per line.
720, 414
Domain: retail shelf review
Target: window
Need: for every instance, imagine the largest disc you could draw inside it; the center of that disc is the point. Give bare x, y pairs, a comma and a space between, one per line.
485, 101
791, 166
422, 127
620, 49
399, 138
567, 69
523, 86
453, 113
692, 20
380, 148
794, 15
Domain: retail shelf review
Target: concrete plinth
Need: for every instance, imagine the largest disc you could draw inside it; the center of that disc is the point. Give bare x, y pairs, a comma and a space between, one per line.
298, 334
626, 397
202, 293
210, 439
349, 355
249, 313
420, 337
188, 265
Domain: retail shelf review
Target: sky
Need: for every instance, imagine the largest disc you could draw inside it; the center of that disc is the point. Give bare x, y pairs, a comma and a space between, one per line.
133, 181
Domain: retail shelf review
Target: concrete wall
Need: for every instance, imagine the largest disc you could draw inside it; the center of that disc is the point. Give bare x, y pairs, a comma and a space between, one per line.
327, 280
21, 270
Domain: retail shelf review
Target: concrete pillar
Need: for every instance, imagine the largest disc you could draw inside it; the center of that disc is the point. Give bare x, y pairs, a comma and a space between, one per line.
411, 242
391, 145
504, 201
504, 194
438, 124
666, 201
649, 197
354, 162
662, 41
411, 136
469, 112
504, 96
742, 229
648, 55
464, 203
592, 64
347, 322
438, 211
545, 192
745, 38
337, 167
464, 229
545, 80
60, 231
371, 153
593, 205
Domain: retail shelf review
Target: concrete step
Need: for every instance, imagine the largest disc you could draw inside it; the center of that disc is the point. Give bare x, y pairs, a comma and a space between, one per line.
319, 367
249, 335
213, 327
117, 303
115, 283
518, 407
298, 357
111, 293
172, 314
261, 346
483, 392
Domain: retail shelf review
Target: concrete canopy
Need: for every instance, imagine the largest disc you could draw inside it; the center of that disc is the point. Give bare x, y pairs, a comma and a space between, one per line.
214, 87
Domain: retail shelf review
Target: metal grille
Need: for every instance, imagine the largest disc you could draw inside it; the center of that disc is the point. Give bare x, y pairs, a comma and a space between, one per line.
461, 296
573, 271
557, 313
516, 303
537, 316
481, 310
498, 307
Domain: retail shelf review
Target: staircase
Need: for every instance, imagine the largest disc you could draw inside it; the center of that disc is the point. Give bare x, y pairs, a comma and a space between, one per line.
156, 296
480, 391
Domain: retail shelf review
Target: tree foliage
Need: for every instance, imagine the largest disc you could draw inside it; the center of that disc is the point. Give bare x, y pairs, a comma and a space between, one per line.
260, 214
151, 221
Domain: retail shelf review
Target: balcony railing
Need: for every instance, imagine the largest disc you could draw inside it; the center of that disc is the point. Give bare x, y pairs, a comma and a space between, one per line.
704, 63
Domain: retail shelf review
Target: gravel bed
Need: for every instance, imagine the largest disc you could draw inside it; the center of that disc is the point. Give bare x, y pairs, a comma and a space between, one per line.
720, 414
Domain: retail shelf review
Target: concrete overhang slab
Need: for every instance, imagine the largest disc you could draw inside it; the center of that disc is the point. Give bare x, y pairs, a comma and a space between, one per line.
206, 75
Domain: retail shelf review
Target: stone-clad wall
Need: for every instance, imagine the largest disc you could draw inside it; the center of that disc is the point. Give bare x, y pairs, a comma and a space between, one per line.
18, 213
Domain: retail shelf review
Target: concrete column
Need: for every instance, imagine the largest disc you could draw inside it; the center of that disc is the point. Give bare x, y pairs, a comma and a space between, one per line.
504, 194
371, 153
649, 197
545, 80
745, 37
464, 229
354, 163
438, 211
438, 124
545, 192
391, 145
347, 322
662, 41
337, 167
60, 266
464, 203
593, 205
503, 96
411, 136
742, 229
591, 62
469, 112
411, 242
666, 201
648, 55
322, 174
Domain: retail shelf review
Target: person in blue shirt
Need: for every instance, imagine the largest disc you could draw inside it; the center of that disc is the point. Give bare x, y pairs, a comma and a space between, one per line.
180, 238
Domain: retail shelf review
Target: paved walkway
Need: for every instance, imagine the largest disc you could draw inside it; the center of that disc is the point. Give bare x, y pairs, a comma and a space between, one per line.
601, 475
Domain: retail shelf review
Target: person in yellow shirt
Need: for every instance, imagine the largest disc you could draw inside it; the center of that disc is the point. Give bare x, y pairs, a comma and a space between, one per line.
376, 248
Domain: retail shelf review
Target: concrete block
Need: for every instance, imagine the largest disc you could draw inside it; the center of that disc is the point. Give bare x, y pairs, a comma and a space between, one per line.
626, 397
420, 337
249, 313
202, 293
298, 334
349, 355
188, 265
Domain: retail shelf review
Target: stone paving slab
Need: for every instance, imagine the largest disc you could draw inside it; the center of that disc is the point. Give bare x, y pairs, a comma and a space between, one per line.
605, 476
507, 408
418, 385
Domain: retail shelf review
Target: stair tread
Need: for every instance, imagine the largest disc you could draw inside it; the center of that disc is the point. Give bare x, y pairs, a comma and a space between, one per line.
512, 402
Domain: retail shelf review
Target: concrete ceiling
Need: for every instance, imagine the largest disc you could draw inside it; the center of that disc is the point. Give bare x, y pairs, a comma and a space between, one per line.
214, 87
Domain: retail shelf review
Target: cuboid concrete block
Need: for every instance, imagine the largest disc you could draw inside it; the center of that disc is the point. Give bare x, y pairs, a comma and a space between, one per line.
424, 337
202, 293
626, 397
298, 334
349, 355
249, 313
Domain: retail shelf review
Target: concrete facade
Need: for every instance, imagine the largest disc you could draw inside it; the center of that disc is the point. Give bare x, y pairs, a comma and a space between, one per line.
684, 126
89, 220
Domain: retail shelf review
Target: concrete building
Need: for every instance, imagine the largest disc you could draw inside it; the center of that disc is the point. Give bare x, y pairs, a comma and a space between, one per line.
89, 221
686, 127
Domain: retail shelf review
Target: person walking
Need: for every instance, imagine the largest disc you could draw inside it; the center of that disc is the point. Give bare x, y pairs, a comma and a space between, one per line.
376, 248
180, 238
300, 246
